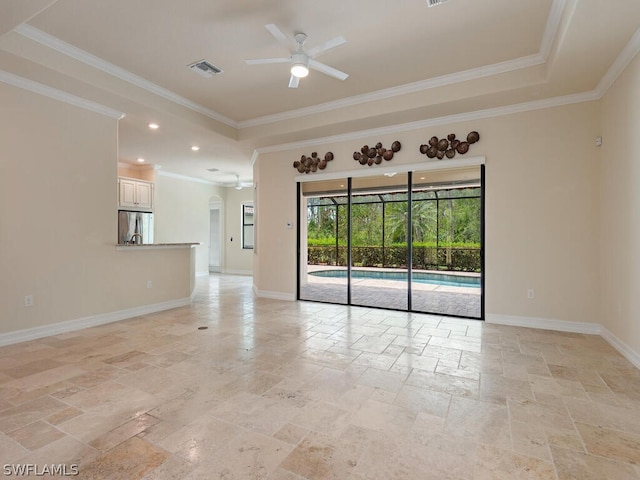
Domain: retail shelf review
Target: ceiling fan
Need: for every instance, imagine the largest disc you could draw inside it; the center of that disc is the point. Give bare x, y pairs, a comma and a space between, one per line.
300, 59
239, 185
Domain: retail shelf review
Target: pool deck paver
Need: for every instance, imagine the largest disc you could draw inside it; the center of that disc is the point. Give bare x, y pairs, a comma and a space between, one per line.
392, 294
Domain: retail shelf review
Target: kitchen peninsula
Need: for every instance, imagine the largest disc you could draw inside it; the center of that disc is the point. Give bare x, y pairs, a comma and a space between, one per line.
154, 246
163, 274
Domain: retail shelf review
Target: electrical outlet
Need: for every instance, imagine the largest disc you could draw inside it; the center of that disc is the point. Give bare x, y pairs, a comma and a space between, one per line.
149, 284
28, 300
530, 294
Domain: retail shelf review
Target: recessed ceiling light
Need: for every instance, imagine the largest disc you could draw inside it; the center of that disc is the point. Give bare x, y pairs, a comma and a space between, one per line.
154, 126
141, 160
195, 148
422, 178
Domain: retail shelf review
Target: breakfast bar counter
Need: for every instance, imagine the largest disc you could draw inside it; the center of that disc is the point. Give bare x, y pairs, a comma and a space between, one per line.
154, 246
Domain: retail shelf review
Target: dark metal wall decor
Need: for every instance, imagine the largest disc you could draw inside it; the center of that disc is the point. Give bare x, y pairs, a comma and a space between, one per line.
370, 155
448, 147
312, 163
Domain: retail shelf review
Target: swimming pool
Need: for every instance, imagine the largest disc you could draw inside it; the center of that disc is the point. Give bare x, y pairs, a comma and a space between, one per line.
418, 277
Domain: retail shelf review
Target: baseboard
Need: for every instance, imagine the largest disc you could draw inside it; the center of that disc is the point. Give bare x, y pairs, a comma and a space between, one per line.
573, 327
625, 350
232, 271
86, 322
204, 273
544, 323
289, 297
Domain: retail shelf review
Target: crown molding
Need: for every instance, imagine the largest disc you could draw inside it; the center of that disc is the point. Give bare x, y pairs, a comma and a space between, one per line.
621, 62
54, 93
551, 29
254, 157
550, 33
628, 53
548, 37
164, 173
80, 55
431, 122
419, 86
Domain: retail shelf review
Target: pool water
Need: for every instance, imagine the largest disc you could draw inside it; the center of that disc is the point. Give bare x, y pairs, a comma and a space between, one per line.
418, 277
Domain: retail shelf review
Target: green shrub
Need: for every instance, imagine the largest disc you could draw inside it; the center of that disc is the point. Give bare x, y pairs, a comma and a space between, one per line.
320, 242
425, 257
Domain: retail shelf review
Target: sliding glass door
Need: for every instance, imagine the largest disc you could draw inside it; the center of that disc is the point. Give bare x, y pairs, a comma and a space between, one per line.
402, 241
379, 260
446, 242
324, 221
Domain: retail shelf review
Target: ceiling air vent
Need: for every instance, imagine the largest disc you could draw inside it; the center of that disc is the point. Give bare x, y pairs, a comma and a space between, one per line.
205, 68
434, 3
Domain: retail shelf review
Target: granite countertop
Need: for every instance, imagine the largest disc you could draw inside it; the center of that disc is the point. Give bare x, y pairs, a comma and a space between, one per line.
156, 245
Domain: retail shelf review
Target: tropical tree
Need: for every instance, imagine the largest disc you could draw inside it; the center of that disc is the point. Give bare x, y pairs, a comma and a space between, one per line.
423, 225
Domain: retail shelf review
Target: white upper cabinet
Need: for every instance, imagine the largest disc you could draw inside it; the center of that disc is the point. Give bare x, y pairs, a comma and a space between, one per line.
135, 194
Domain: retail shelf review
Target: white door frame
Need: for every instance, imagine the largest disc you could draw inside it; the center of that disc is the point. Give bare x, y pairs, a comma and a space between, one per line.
215, 204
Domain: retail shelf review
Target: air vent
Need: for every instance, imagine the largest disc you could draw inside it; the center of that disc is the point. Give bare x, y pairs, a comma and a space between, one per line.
205, 68
434, 3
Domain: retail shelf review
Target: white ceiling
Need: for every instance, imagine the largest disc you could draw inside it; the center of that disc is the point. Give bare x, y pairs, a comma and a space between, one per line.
406, 62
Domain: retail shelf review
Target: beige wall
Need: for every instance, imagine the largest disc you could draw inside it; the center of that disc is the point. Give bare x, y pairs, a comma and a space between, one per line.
58, 222
619, 195
141, 172
540, 209
181, 214
237, 259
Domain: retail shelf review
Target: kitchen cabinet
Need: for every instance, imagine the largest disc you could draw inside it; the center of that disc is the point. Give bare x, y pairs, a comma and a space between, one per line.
136, 194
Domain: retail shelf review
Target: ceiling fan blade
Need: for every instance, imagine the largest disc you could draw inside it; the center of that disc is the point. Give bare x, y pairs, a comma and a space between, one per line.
279, 36
327, 70
334, 42
294, 81
260, 61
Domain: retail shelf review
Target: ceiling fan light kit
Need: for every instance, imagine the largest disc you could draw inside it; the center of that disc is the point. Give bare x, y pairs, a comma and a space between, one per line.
299, 65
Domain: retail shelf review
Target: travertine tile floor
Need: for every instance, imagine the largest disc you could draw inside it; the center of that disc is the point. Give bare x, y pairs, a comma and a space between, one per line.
294, 390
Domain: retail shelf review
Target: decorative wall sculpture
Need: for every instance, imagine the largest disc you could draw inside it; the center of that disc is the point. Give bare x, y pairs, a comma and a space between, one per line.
448, 147
312, 163
370, 155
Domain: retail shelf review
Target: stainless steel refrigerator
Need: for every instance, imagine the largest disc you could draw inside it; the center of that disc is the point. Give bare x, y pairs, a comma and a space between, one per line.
135, 227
